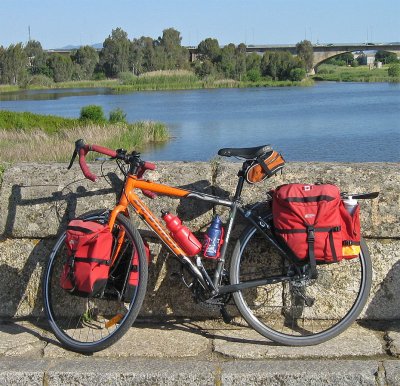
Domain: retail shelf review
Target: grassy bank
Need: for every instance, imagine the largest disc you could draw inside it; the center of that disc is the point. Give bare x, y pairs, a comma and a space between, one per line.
328, 72
160, 80
34, 137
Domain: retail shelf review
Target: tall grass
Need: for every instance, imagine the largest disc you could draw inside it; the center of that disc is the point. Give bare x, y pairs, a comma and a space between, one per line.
352, 74
43, 143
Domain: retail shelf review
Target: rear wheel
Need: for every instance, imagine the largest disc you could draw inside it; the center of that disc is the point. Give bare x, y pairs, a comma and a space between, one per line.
89, 324
298, 312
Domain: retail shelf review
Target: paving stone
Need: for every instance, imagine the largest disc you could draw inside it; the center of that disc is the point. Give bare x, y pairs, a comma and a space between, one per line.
17, 371
393, 339
296, 373
131, 372
157, 342
247, 343
392, 371
14, 340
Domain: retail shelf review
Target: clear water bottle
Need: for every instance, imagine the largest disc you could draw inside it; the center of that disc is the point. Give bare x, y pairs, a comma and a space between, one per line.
350, 204
213, 239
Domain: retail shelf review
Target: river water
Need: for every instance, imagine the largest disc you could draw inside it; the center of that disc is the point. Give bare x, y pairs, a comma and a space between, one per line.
350, 122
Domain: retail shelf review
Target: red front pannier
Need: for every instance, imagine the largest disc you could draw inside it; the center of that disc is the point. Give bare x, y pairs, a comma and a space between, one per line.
308, 219
89, 246
133, 279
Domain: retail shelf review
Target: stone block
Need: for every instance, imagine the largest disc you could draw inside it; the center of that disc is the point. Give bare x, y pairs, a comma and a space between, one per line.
37, 200
144, 372
299, 373
248, 344
22, 262
379, 217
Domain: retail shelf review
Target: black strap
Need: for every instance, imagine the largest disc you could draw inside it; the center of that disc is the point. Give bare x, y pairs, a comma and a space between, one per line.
327, 229
134, 268
264, 166
311, 253
79, 229
350, 242
310, 199
92, 260
332, 245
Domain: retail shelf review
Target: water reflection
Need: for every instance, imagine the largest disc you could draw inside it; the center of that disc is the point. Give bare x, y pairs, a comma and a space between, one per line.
52, 94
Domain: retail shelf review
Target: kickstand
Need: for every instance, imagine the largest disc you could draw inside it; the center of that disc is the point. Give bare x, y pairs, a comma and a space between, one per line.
225, 315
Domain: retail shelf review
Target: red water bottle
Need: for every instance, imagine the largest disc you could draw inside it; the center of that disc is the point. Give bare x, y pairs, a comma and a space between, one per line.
181, 234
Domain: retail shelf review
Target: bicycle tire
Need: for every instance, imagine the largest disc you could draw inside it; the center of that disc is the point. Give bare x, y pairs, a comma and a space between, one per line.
71, 327
280, 311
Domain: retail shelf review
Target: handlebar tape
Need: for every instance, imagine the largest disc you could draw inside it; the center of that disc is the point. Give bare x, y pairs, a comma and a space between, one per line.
85, 168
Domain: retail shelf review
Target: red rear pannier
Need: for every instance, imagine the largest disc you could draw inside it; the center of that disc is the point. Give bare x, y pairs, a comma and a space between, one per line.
308, 219
351, 232
87, 267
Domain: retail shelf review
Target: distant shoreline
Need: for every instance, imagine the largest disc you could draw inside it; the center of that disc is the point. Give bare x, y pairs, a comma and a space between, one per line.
161, 82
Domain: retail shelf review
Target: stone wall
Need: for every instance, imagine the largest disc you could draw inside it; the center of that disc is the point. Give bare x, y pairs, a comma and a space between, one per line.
37, 200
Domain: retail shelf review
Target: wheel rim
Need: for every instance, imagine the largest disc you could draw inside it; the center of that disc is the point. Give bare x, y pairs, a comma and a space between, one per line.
303, 311
78, 321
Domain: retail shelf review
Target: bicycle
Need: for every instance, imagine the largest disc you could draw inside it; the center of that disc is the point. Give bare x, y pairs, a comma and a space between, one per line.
274, 293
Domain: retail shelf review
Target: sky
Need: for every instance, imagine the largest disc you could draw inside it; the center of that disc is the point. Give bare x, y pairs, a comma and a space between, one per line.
58, 23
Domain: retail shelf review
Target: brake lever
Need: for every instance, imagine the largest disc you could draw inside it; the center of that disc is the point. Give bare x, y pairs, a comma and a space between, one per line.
75, 153
78, 144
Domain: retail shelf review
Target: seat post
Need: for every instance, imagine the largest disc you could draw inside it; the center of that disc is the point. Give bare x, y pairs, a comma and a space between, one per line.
240, 183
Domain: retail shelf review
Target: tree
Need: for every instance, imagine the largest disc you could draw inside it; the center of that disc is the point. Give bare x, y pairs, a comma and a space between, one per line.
37, 58
87, 58
228, 61
61, 67
114, 56
253, 71
386, 57
305, 52
278, 65
394, 70
341, 60
170, 52
204, 68
209, 49
15, 64
240, 61
2, 59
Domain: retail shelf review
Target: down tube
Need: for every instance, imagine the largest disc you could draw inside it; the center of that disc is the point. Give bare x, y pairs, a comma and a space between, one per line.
153, 222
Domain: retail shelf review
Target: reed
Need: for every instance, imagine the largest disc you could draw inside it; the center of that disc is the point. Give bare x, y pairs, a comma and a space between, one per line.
37, 143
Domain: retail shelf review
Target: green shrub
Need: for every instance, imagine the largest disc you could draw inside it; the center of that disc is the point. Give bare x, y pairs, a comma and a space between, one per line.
99, 76
127, 78
254, 75
92, 113
355, 63
297, 74
41, 80
117, 115
394, 70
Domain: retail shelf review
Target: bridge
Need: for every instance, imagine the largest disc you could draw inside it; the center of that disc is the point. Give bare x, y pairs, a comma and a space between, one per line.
322, 52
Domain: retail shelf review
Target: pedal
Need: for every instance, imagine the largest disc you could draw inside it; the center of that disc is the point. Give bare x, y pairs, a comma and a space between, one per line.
225, 315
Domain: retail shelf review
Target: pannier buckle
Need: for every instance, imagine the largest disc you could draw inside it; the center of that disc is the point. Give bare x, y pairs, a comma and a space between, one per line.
310, 234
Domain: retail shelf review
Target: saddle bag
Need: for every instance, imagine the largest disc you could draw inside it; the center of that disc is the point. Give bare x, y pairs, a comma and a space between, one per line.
264, 167
89, 246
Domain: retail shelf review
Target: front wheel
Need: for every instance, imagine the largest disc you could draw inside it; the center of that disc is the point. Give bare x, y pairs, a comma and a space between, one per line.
89, 324
298, 312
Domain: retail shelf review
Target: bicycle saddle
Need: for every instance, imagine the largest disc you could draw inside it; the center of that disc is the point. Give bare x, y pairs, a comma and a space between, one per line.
245, 152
